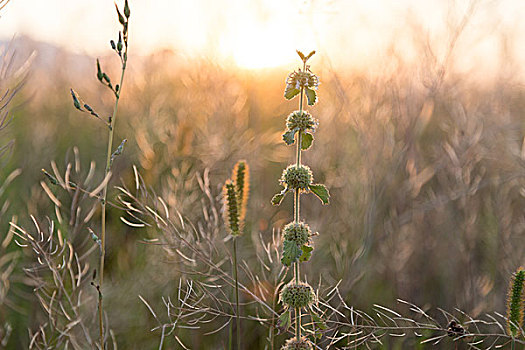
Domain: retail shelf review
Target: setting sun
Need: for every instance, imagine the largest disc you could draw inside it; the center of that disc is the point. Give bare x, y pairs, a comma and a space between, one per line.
262, 36
259, 45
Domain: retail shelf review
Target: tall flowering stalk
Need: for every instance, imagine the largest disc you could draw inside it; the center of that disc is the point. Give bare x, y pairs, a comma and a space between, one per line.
120, 47
235, 198
298, 179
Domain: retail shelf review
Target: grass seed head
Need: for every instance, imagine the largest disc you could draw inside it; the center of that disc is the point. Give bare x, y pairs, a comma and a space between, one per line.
241, 178
231, 210
516, 302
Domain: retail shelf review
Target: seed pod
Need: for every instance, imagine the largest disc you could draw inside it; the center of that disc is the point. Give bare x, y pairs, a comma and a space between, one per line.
126, 9
119, 43
120, 17
112, 43
99, 71
76, 102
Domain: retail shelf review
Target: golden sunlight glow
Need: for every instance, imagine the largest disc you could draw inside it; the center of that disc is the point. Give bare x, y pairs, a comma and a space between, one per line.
262, 36
252, 34
259, 46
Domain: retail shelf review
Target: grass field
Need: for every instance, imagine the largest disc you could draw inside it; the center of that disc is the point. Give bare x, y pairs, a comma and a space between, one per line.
424, 163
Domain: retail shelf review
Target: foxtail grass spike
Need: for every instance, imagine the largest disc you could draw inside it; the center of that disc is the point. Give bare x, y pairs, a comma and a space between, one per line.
231, 210
241, 178
516, 302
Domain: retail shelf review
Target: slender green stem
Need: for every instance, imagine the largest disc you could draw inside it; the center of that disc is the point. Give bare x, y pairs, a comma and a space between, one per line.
104, 199
237, 309
230, 337
100, 320
272, 336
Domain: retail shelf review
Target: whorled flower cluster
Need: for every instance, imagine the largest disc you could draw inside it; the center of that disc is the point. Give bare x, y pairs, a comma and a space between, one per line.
297, 344
300, 120
299, 233
302, 79
297, 295
297, 177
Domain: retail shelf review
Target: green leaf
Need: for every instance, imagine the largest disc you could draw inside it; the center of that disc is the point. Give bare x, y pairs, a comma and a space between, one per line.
284, 322
318, 320
310, 55
291, 252
306, 140
307, 253
291, 92
278, 198
300, 54
321, 192
289, 137
311, 95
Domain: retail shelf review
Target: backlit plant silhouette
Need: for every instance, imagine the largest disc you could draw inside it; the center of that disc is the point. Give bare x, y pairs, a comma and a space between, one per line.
298, 179
121, 49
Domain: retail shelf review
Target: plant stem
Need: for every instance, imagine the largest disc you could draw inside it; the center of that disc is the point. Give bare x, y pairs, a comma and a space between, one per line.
272, 336
237, 309
104, 197
297, 214
100, 320
230, 337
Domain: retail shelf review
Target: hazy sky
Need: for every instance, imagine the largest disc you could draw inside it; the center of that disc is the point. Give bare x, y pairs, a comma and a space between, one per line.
259, 33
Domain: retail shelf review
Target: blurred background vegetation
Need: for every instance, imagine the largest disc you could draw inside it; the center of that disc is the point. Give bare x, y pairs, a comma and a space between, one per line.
424, 162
